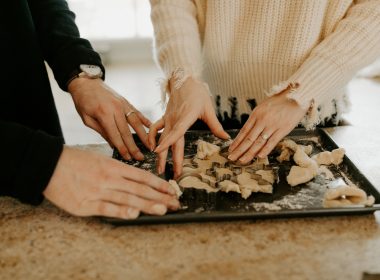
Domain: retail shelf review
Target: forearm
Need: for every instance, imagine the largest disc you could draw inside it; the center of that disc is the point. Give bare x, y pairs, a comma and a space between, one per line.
59, 38
334, 61
28, 161
177, 38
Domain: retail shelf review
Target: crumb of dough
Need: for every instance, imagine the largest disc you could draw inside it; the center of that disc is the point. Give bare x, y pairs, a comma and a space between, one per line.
267, 175
326, 158
289, 147
205, 149
196, 183
175, 186
229, 186
346, 196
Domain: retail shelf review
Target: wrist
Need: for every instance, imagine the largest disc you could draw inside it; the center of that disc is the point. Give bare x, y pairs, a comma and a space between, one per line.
82, 82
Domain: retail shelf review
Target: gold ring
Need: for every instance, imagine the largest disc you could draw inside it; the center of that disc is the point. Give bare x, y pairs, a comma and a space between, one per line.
129, 113
264, 136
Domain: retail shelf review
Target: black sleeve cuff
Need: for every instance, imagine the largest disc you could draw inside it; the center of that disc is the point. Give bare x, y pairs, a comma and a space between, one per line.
29, 162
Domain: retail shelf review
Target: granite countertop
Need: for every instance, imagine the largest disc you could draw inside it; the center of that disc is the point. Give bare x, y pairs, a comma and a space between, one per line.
46, 243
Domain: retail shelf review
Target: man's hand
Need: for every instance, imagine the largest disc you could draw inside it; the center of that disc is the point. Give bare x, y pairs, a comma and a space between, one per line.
191, 102
86, 184
103, 110
268, 123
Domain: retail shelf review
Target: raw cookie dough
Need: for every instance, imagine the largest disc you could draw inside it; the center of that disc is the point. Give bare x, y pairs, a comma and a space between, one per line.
346, 196
196, 183
212, 171
306, 170
229, 186
334, 157
205, 149
175, 186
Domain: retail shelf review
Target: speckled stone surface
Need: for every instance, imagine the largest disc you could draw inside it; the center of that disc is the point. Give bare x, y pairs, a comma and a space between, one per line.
46, 243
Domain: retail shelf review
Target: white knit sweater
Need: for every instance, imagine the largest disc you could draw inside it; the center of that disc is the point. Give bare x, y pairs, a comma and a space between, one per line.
251, 49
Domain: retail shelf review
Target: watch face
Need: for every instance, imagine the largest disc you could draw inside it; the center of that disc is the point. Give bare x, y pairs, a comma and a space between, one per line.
91, 70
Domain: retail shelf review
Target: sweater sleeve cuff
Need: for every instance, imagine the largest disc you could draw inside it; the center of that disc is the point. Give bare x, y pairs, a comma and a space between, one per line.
37, 167
312, 84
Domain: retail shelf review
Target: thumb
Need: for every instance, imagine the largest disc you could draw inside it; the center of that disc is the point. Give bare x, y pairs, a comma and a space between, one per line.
215, 126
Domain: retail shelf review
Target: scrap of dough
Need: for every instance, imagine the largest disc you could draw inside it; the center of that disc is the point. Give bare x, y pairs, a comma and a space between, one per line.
267, 175
205, 149
222, 171
345, 196
203, 164
285, 155
263, 160
196, 183
299, 175
306, 170
175, 186
324, 170
228, 186
327, 158
247, 183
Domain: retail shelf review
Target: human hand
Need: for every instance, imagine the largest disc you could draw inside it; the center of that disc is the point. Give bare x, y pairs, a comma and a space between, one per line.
268, 123
86, 184
187, 104
103, 110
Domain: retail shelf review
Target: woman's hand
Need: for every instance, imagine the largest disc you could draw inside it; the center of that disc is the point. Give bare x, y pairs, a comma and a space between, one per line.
103, 110
268, 123
187, 104
86, 184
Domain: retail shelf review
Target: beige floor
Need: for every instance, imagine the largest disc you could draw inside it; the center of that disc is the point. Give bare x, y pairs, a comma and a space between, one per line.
139, 83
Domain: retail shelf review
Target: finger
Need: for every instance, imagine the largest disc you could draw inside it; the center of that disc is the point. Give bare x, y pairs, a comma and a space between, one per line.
271, 143
113, 132
93, 123
161, 161
246, 143
144, 192
107, 209
153, 131
177, 150
243, 133
130, 200
257, 145
143, 119
174, 134
215, 126
127, 137
143, 177
137, 125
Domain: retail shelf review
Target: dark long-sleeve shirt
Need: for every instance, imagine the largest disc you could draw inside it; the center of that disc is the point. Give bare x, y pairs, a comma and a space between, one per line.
31, 140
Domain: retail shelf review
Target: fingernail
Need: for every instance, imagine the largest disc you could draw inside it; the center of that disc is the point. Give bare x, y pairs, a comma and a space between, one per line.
261, 155
174, 204
159, 209
157, 148
151, 147
159, 170
140, 154
132, 213
230, 157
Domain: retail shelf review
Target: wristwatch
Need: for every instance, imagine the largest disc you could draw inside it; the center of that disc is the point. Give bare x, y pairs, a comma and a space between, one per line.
86, 71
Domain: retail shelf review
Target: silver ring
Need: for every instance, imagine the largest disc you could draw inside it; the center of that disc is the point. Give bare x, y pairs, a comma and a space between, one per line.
265, 136
129, 113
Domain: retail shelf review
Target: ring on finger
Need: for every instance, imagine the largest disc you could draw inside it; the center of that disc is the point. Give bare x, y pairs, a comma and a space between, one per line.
264, 136
129, 113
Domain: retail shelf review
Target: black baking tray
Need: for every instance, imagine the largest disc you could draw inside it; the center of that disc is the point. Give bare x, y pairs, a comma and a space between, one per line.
300, 201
